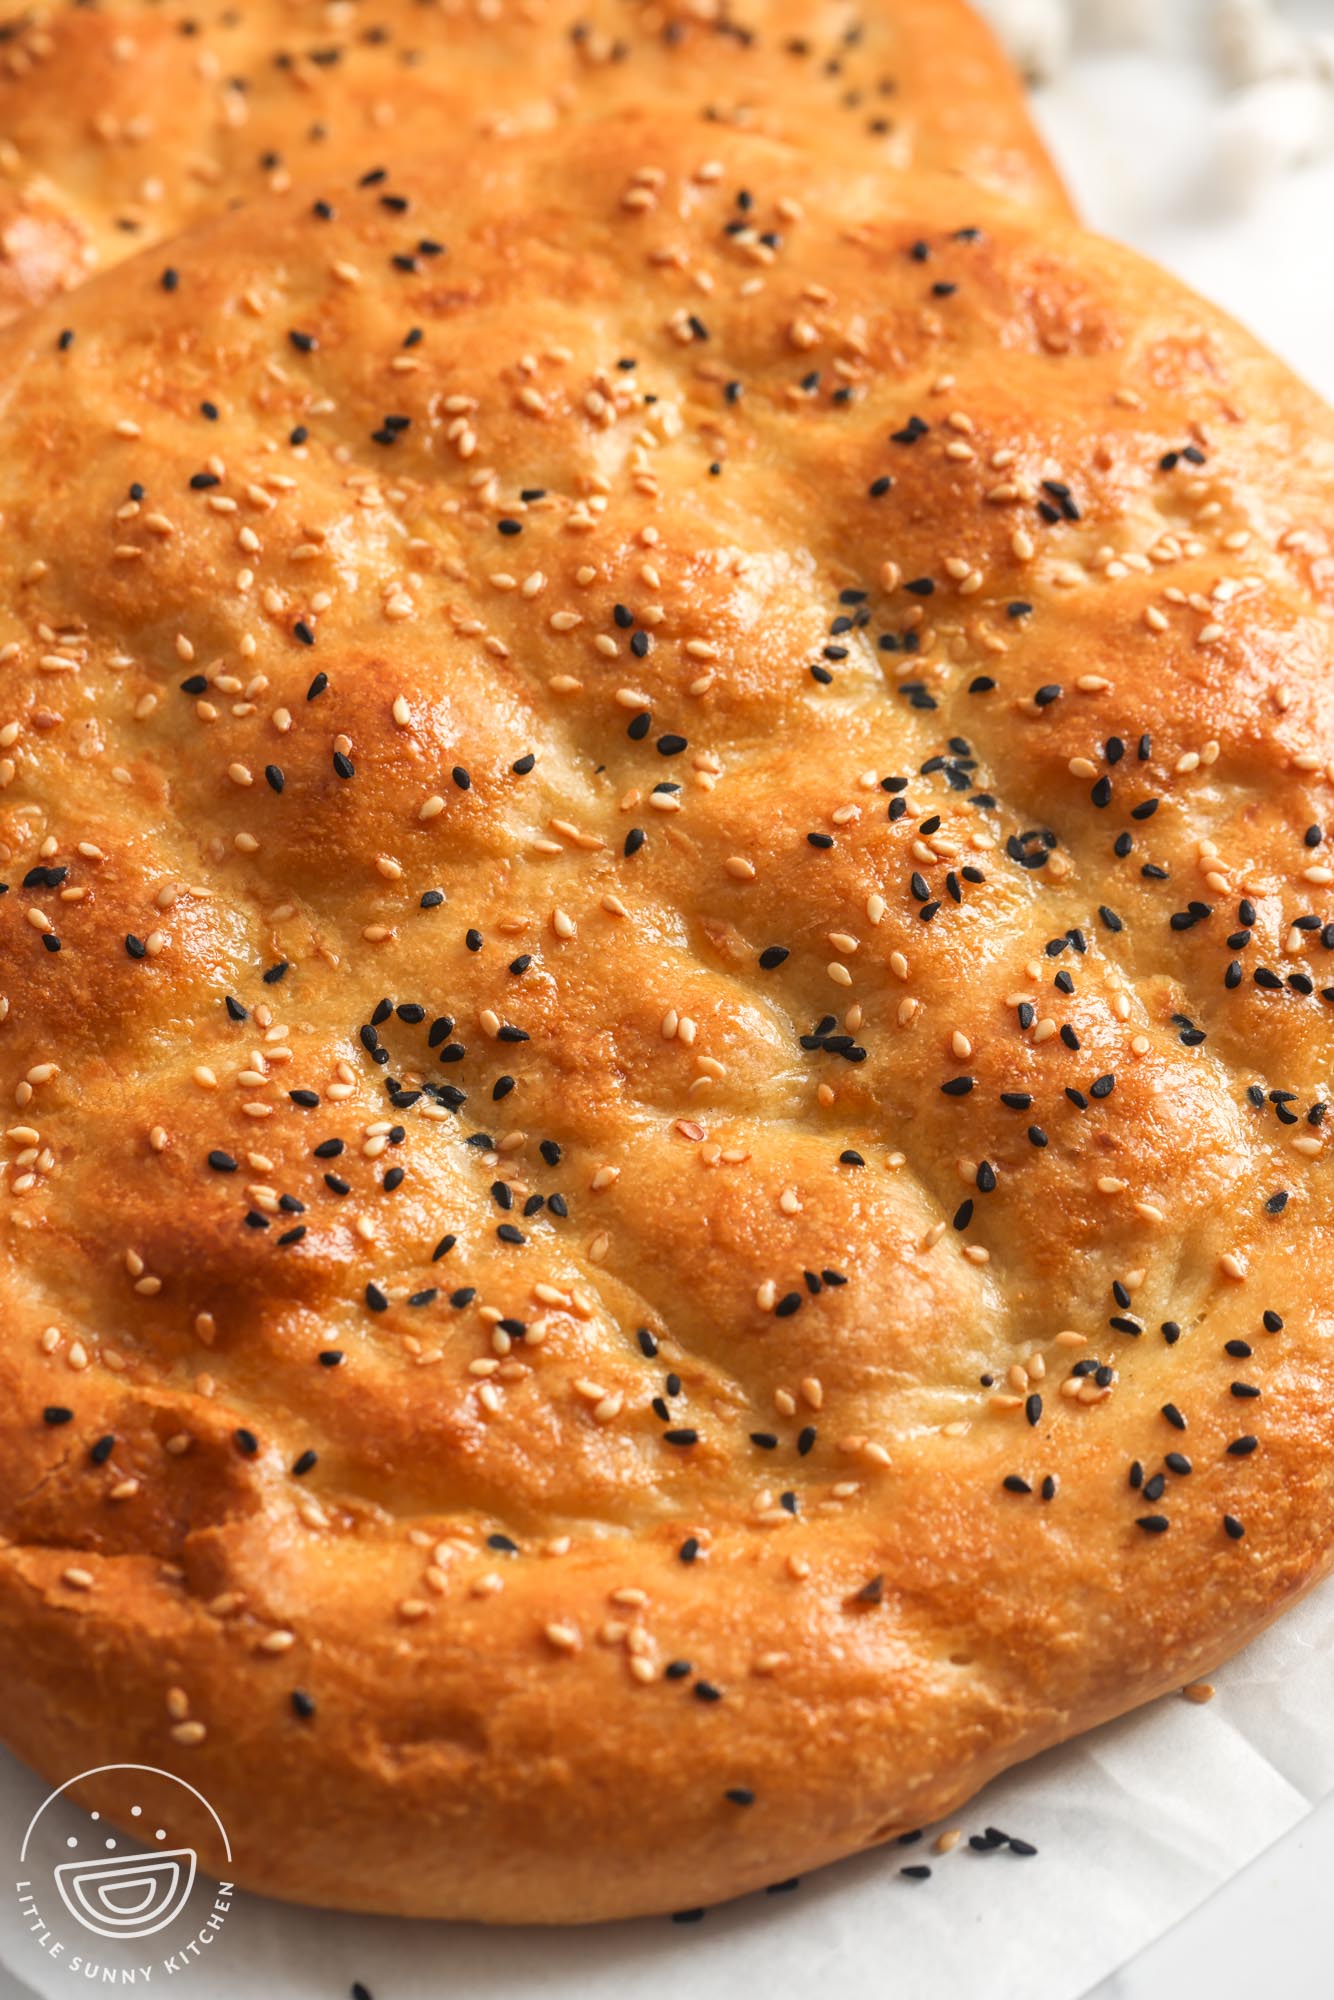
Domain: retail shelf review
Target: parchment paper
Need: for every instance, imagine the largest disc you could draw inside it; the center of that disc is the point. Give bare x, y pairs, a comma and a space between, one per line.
1135, 1824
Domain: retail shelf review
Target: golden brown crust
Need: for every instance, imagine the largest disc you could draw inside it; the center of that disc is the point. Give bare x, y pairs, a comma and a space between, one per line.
748, 452
122, 124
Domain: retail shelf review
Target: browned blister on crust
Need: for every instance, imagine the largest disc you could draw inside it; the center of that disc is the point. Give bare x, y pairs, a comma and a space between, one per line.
686, 848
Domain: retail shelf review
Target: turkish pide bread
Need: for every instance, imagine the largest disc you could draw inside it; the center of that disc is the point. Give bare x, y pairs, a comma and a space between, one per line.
122, 123
666, 1015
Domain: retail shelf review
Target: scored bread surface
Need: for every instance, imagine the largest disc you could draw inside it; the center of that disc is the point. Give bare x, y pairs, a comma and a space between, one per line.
121, 124
666, 999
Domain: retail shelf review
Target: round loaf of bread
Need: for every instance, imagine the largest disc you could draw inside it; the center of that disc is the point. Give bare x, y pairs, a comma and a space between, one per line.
123, 123
666, 1014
